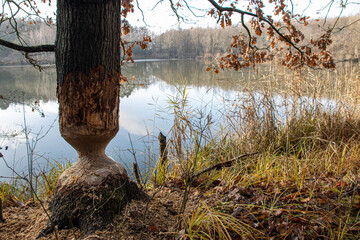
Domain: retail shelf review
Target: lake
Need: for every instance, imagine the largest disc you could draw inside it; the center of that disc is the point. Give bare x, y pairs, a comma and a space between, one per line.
29, 102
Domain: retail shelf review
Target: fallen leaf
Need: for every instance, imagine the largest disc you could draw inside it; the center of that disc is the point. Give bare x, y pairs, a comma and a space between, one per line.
153, 228
305, 200
277, 212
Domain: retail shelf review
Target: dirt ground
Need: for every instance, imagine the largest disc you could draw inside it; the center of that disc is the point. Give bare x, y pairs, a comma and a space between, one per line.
269, 211
154, 219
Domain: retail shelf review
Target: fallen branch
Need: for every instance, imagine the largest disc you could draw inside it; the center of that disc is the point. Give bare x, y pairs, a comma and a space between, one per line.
221, 165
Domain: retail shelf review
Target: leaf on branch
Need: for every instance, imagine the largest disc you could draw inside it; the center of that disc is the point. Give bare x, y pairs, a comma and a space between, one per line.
222, 22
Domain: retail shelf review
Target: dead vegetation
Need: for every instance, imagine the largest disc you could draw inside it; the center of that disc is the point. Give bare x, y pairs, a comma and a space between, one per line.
301, 180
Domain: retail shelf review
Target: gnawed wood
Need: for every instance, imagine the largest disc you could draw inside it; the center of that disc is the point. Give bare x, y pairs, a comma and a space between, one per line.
162, 149
1, 212
89, 196
137, 175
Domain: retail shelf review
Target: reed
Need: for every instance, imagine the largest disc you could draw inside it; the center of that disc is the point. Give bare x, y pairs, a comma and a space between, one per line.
307, 136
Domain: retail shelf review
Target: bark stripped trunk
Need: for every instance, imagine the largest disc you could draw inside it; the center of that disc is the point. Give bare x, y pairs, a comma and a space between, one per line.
93, 190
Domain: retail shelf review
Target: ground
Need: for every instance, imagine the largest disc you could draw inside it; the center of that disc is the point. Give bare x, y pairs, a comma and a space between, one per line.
154, 219
323, 208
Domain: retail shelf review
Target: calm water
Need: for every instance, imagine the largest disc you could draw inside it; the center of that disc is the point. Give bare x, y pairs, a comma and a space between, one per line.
143, 108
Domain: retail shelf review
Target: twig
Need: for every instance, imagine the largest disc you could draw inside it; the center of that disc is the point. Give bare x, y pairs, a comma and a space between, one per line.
135, 165
221, 165
142, 13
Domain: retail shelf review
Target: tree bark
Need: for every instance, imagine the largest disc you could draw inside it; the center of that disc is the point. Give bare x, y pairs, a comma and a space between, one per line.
88, 59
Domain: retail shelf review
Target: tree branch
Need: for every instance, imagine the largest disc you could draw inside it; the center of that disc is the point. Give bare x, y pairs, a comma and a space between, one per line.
348, 25
233, 9
247, 30
172, 5
28, 49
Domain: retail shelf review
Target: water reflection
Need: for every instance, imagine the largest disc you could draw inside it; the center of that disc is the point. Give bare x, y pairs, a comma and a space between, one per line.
143, 111
143, 108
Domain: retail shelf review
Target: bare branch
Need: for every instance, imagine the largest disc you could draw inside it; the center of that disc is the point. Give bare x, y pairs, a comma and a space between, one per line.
247, 30
329, 5
307, 7
190, 9
338, 17
348, 25
142, 13
160, 1
173, 8
28, 49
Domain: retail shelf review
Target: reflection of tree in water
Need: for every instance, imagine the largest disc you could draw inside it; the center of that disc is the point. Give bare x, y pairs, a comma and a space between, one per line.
175, 72
267, 76
33, 84
138, 75
126, 89
42, 85
10, 97
4, 104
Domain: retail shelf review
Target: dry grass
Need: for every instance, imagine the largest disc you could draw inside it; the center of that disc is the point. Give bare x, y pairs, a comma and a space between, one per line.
308, 144
303, 183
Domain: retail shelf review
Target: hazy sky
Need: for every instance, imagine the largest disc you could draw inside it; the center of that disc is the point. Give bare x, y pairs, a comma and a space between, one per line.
161, 17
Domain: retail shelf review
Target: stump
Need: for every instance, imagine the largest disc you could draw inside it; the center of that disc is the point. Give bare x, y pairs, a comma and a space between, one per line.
89, 196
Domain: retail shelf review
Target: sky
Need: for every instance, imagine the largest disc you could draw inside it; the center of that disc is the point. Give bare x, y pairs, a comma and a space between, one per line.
159, 17
162, 18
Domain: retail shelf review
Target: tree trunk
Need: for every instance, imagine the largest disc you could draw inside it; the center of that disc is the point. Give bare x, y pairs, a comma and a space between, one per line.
91, 192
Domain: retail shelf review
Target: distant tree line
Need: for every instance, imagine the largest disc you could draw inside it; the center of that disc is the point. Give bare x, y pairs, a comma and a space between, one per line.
195, 43
211, 43
185, 43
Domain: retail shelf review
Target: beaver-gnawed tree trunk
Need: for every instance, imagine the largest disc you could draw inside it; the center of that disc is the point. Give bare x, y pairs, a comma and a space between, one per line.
91, 192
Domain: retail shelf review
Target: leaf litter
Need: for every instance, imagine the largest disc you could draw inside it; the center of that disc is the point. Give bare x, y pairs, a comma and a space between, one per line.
321, 209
